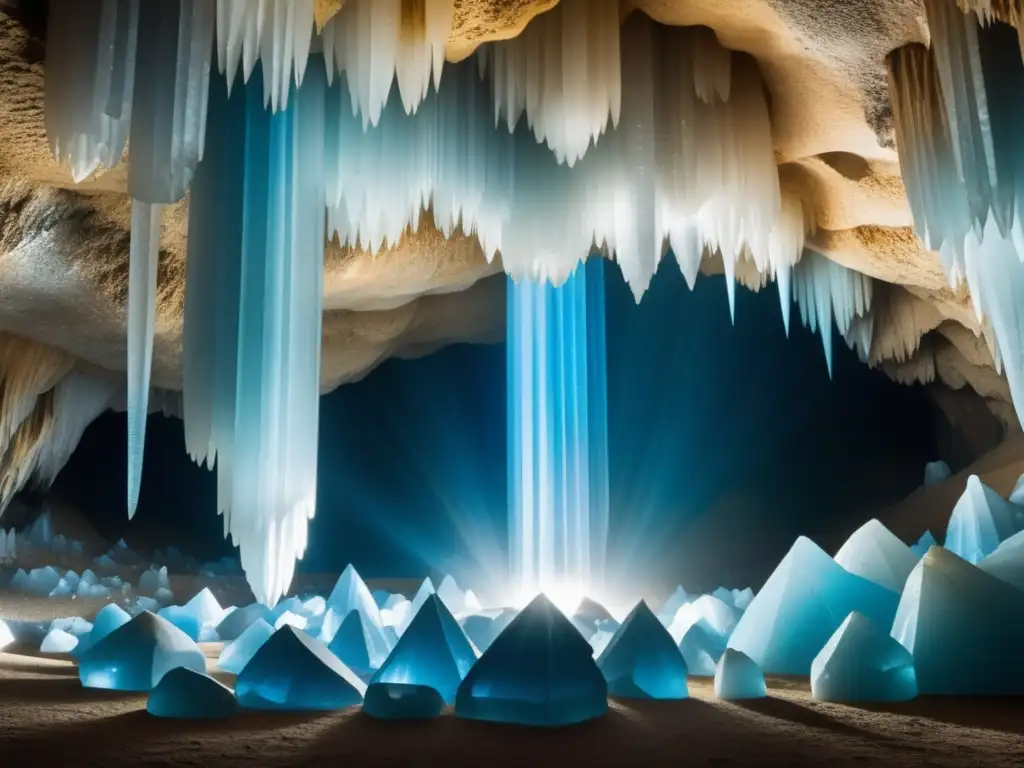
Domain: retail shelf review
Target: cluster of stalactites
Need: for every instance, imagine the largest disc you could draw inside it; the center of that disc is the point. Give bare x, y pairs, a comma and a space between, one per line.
253, 313
278, 33
564, 73
957, 109
376, 43
826, 291
679, 170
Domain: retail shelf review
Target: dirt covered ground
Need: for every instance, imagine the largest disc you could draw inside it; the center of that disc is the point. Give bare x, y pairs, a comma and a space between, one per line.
47, 718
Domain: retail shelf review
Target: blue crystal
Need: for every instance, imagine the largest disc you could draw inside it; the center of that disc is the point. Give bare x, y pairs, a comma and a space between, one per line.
293, 671
803, 602
433, 651
642, 660
539, 671
135, 656
862, 663
360, 645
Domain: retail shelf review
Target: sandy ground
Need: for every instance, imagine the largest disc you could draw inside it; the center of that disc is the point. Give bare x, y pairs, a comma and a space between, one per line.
46, 718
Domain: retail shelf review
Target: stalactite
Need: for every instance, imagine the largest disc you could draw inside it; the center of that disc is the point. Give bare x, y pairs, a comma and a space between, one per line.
253, 312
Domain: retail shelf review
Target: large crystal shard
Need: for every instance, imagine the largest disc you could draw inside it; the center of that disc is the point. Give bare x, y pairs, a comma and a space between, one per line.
538, 672
256, 311
954, 618
738, 677
981, 520
293, 671
90, 75
876, 554
642, 660
186, 694
558, 434
860, 662
803, 602
135, 656
432, 652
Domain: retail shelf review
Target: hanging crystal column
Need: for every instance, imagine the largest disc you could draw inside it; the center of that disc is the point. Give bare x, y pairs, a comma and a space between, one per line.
253, 319
557, 431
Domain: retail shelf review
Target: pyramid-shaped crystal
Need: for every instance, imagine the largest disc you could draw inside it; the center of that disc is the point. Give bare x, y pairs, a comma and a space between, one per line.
539, 671
702, 648
350, 593
981, 520
738, 677
110, 617
960, 625
135, 656
642, 661
803, 602
1007, 562
433, 651
185, 694
293, 671
402, 701
860, 662
874, 553
238, 653
360, 645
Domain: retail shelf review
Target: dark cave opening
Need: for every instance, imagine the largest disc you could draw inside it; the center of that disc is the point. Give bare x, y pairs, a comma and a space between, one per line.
726, 442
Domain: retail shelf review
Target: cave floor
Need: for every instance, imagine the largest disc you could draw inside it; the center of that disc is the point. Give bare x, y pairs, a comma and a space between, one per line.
46, 718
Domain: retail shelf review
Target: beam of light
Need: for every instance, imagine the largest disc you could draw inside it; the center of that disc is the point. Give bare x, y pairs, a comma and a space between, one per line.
557, 434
